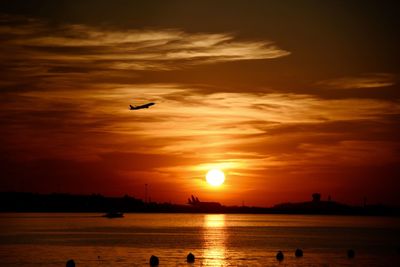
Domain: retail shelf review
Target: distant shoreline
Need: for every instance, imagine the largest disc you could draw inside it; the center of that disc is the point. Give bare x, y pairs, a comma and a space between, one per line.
194, 213
68, 203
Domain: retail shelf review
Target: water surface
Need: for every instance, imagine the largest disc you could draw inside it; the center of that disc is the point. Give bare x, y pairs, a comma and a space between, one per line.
43, 239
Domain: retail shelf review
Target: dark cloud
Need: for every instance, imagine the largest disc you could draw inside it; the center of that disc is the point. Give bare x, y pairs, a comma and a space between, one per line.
75, 55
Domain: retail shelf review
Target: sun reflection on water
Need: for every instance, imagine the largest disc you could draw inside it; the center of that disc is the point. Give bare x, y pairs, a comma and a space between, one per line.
214, 240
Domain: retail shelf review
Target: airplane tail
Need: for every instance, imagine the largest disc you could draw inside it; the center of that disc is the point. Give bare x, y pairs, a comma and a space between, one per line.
131, 107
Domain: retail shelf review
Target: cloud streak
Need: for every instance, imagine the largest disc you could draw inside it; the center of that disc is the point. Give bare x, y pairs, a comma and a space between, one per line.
81, 48
364, 81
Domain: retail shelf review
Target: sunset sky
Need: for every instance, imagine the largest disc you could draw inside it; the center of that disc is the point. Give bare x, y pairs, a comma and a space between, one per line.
286, 97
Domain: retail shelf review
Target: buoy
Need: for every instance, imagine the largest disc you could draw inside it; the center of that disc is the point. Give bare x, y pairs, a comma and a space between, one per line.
298, 253
190, 258
154, 260
70, 263
279, 256
350, 254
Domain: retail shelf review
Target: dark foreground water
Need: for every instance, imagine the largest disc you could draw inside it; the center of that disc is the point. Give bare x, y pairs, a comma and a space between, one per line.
40, 239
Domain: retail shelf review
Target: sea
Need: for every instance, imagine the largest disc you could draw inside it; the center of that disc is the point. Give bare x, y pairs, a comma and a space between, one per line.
50, 239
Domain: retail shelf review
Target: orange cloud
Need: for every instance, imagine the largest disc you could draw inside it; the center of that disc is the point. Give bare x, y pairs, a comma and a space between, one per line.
241, 132
80, 46
370, 80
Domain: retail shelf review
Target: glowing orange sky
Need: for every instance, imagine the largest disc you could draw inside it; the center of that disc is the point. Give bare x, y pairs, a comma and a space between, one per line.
286, 99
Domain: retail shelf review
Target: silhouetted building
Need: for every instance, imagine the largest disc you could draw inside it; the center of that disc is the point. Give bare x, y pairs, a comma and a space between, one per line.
316, 197
195, 202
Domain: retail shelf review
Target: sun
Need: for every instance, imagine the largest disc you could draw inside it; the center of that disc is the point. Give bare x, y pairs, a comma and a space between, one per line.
215, 177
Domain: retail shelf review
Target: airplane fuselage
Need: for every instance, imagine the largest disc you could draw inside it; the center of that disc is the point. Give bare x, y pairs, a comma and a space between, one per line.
142, 106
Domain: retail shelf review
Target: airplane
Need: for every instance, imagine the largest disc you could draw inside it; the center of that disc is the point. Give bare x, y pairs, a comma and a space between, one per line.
142, 106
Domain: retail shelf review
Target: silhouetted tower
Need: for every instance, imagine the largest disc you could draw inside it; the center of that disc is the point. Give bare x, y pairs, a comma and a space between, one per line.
145, 193
316, 197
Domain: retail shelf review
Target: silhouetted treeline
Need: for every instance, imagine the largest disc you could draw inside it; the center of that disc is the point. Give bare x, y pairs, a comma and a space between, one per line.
31, 202
56, 202
12, 201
